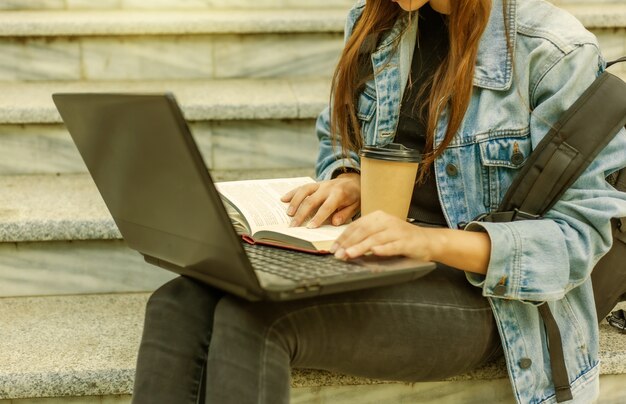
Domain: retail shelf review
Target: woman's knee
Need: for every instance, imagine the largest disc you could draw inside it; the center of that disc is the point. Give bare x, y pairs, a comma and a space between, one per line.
237, 313
186, 292
265, 321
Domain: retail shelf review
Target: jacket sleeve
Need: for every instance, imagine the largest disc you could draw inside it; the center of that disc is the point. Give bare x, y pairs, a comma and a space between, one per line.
541, 260
331, 158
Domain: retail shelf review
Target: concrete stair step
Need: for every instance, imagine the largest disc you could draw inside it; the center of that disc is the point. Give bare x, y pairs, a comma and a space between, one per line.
26, 103
85, 347
172, 22
53, 208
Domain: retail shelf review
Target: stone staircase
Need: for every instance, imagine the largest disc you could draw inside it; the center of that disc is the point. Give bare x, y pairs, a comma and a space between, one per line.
251, 76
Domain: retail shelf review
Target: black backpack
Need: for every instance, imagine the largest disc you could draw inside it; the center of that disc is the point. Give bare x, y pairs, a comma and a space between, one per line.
559, 159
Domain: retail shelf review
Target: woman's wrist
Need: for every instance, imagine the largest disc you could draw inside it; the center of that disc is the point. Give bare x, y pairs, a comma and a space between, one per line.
435, 241
468, 251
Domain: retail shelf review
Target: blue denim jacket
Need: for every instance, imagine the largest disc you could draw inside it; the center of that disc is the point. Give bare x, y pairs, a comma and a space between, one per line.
514, 102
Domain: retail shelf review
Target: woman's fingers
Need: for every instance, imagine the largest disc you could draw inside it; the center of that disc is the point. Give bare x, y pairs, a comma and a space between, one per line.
380, 234
395, 247
306, 209
296, 196
326, 209
344, 214
366, 245
324, 199
332, 208
287, 197
363, 228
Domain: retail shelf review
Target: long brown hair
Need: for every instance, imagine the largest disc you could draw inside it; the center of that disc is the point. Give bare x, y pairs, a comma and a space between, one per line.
451, 85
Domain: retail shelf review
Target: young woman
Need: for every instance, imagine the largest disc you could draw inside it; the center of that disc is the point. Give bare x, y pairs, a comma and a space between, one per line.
474, 85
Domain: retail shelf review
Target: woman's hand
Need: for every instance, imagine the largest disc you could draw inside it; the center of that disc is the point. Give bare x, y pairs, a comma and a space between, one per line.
383, 234
338, 199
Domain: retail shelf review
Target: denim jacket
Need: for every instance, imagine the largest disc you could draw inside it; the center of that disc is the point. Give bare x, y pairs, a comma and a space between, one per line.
516, 98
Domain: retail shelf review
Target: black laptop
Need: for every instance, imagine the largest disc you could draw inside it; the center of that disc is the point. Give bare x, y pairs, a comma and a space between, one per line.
149, 171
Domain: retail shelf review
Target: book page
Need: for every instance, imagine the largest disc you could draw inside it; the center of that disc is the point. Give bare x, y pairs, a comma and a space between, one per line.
259, 200
236, 218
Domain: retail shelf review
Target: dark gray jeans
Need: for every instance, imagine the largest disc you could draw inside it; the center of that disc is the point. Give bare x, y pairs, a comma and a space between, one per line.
428, 329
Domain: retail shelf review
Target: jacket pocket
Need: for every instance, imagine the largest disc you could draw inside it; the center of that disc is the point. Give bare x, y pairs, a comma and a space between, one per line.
501, 157
508, 152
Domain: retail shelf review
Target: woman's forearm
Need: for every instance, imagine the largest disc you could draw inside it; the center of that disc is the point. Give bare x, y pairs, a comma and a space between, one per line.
466, 250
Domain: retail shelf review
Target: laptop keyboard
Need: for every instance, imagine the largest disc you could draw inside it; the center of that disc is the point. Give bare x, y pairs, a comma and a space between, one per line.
297, 266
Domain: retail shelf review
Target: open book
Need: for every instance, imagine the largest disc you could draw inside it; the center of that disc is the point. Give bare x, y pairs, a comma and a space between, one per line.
260, 217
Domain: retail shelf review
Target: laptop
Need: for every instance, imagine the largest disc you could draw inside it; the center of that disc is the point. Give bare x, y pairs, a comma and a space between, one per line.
151, 175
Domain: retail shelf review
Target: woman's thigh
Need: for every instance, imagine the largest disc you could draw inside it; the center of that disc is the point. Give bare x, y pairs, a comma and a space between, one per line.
433, 327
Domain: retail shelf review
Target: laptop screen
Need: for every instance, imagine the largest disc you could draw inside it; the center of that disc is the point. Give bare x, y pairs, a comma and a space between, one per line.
154, 182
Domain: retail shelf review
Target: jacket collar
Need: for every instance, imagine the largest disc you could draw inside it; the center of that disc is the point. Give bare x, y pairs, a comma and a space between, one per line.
494, 65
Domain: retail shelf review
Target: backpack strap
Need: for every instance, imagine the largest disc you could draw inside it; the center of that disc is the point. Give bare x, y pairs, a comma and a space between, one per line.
562, 389
620, 60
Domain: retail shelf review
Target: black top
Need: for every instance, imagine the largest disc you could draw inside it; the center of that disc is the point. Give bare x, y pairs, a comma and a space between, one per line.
431, 47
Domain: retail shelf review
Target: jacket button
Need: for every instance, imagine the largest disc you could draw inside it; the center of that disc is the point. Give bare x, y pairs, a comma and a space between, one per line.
525, 363
517, 158
452, 170
499, 290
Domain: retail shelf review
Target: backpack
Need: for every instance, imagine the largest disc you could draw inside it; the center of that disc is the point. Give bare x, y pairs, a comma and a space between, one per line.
559, 159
